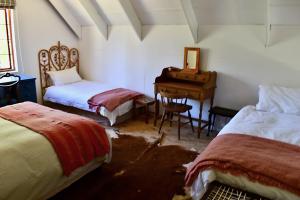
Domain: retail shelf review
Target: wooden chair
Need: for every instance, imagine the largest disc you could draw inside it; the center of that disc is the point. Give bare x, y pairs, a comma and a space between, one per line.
9, 89
174, 103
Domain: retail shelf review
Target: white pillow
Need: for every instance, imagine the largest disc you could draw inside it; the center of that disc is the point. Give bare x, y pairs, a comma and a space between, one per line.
279, 99
64, 76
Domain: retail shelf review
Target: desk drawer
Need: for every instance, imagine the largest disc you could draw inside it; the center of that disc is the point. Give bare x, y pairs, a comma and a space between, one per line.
200, 78
194, 95
190, 94
168, 89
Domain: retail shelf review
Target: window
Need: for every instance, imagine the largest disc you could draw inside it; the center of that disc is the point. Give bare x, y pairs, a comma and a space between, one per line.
7, 48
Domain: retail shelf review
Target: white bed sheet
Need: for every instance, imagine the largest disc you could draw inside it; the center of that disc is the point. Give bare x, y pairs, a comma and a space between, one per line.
249, 121
29, 167
77, 94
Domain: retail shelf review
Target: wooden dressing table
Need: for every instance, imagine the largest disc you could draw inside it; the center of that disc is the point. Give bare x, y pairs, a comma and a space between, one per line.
198, 86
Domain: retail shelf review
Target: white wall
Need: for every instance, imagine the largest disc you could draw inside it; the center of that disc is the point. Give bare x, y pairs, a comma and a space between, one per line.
39, 27
237, 53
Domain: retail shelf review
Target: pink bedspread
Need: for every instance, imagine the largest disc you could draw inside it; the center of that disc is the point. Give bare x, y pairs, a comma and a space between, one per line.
112, 98
261, 160
76, 140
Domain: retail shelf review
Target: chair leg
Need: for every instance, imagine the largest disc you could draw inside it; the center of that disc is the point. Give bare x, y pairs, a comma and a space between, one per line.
179, 123
171, 118
162, 121
191, 121
209, 123
213, 123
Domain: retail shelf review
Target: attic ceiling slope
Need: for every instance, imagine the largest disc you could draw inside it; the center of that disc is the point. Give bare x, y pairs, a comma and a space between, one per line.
230, 12
113, 11
132, 17
67, 16
160, 12
97, 19
78, 12
194, 13
284, 12
191, 18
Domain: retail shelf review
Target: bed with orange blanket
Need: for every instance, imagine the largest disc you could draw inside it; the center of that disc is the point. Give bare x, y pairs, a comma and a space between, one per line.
256, 151
43, 150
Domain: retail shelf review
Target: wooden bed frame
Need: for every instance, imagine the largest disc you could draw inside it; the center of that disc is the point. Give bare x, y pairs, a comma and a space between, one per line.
60, 57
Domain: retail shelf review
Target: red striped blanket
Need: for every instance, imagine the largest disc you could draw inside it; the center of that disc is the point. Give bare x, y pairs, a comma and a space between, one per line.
266, 161
112, 98
76, 140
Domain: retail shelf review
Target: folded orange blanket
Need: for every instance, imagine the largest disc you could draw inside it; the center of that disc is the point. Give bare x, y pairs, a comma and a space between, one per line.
261, 160
112, 98
76, 140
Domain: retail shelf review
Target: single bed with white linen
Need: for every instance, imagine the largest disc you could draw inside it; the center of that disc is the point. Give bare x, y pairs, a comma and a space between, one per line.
270, 119
72, 95
61, 83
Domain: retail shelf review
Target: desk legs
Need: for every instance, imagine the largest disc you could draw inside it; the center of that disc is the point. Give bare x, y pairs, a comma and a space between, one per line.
200, 118
210, 114
156, 109
209, 122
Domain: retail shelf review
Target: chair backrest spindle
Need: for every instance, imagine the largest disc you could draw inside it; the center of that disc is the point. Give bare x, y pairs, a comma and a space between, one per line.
169, 97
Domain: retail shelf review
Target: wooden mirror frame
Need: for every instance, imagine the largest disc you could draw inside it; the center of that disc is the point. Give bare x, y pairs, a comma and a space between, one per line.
185, 66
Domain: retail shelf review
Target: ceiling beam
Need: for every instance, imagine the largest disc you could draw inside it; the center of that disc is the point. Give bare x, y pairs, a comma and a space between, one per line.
98, 20
132, 16
190, 18
67, 16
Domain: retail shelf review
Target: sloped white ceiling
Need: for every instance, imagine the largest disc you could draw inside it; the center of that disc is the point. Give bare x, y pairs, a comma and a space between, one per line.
113, 12
78, 12
208, 12
194, 13
159, 12
285, 12
230, 12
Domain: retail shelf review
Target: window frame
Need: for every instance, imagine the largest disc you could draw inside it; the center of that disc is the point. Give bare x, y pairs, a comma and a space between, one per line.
10, 38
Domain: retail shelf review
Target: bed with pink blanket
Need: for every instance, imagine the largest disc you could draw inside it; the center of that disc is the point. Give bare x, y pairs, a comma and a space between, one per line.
61, 84
111, 104
43, 150
257, 151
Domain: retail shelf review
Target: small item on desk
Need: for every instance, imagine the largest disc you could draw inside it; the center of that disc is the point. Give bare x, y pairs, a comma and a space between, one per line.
191, 60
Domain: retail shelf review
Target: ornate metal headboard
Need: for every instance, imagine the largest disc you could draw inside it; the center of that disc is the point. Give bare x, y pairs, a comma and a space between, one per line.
58, 57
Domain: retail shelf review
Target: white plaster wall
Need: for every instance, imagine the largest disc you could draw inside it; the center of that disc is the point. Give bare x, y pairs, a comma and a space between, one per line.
237, 53
38, 26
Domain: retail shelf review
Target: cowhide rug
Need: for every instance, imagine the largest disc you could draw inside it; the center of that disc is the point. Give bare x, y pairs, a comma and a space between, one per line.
139, 170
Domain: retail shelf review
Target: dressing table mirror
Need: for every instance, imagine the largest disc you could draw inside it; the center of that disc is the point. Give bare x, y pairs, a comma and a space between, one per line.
191, 60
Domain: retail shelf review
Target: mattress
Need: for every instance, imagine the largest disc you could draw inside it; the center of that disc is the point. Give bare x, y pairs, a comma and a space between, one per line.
77, 94
29, 167
249, 121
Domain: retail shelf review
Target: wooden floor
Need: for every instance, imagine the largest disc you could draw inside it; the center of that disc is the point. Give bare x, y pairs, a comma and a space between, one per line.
188, 139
